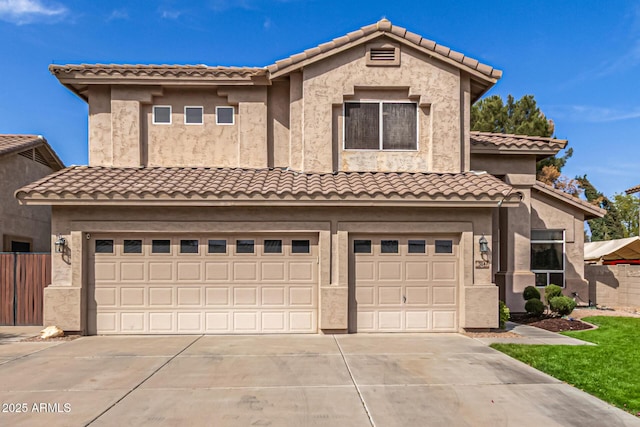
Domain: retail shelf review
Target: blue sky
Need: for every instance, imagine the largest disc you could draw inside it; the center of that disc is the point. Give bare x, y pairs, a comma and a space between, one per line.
581, 59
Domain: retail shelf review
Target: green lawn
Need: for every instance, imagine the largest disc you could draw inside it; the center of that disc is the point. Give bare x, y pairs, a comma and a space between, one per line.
610, 371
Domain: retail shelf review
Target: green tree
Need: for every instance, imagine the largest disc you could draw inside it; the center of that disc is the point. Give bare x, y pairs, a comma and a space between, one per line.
628, 206
521, 117
610, 226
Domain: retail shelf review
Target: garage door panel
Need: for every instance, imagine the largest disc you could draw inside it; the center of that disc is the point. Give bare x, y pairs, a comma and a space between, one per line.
389, 295
365, 271
189, 296
417, 295
161, 296
273, 296
390, 320
218, 296
132, 296
444, 295
365, 320
444, 270
418, 271
161, 322
444, 320
155, 291
132, 322
365, 295
390, 270
216, 271
417, 320
132, 271
245, 271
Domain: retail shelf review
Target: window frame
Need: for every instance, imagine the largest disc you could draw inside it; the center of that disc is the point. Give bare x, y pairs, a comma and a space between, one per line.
380, 103
564, 256
233, 115
201, 122
153, 115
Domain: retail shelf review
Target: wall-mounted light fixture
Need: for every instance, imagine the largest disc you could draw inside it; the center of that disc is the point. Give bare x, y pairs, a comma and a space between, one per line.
484, 245
61, 243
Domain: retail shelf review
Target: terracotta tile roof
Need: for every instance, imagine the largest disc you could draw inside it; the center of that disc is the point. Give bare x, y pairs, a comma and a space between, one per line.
140, 70
385, 26
632, 190
231, 183
13, 143
490, 141
592, 211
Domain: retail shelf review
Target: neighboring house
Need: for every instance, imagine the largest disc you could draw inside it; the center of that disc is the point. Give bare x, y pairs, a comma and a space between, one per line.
338, 190
24, 159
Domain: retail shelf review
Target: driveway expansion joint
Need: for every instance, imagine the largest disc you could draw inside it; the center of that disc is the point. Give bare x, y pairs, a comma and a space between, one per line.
143, 381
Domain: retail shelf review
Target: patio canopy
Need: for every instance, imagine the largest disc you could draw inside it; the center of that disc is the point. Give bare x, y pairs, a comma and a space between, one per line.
619, 249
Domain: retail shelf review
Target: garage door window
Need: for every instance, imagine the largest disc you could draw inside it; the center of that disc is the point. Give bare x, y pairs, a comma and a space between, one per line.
389, 246
133, 246
217, 246
188, 246
104, 246
161, 246
300, 246
417, 247
272, 246
362, 246
244, 246
444, 246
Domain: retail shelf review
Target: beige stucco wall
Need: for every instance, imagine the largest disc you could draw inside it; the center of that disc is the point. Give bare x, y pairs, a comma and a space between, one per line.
477, 295
32, 222
614, 285
436, 87
549, 213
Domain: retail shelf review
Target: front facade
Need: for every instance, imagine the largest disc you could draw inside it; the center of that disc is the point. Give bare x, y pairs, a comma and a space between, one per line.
24, 159
339, 190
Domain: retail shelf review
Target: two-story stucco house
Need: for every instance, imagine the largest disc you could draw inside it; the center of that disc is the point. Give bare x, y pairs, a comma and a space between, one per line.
338, 190
24, 159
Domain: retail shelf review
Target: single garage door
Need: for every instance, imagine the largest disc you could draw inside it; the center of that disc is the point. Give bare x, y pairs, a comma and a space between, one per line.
404, 283
203, 284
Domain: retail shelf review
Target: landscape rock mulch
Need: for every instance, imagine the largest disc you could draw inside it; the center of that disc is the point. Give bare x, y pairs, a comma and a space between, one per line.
554, 324
62, 338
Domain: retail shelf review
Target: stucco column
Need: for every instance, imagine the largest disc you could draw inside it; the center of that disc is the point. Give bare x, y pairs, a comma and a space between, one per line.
515, 250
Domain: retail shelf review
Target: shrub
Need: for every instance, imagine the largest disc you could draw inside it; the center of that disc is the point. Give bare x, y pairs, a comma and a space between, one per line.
562, 305
531, 292
534, 307
552, 291
503, 312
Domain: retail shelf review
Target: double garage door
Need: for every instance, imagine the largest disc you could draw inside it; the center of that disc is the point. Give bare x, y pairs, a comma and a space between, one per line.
203, 284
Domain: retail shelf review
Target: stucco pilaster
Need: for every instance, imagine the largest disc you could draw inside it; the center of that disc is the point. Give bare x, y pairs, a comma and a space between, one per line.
100, 146
125, 132
296, 121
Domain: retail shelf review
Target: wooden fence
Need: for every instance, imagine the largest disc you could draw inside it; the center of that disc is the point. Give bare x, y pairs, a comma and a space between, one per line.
23, 277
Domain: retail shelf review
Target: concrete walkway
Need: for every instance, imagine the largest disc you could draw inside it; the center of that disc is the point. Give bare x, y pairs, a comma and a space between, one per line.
343, 380
533, 335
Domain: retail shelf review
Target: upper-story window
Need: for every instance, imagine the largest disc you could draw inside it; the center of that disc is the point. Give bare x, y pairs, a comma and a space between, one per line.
161, 114
547, 257
193, 115
225, 115
380, 125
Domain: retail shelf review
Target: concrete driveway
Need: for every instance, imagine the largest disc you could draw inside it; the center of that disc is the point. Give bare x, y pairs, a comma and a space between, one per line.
342, 380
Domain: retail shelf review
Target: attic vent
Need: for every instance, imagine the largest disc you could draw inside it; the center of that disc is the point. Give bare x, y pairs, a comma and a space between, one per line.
34, 155
40, 158
382, 54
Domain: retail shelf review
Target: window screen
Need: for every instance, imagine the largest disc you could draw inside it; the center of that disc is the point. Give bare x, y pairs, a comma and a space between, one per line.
362, 127
224, 115
162, 115
193, 115
399, 126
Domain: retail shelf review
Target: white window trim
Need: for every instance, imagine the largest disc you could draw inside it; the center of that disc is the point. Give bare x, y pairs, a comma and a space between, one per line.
201, 115
233, 115
153, 113
381, 130
564, 257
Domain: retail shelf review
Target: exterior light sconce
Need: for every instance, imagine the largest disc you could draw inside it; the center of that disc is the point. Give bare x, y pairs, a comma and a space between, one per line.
484, 245
484, 254
61, 243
